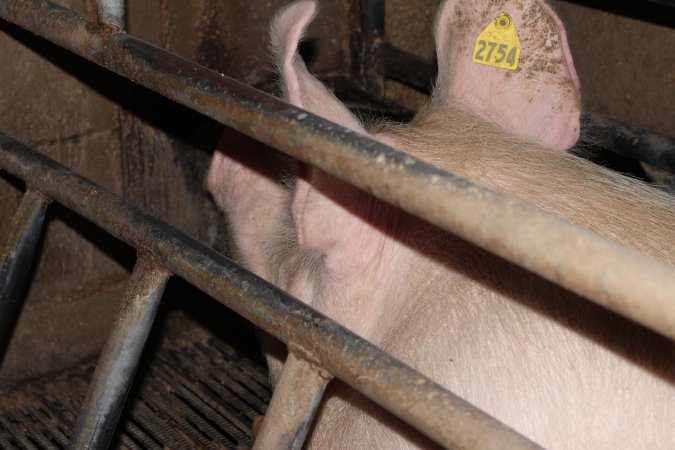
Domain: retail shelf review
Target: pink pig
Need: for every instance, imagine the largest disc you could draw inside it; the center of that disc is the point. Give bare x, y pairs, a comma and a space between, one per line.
562, 371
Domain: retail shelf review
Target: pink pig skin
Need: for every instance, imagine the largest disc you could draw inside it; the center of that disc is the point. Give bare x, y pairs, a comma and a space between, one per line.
556, 368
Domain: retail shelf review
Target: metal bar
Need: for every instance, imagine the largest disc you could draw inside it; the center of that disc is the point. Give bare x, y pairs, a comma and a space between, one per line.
410, 69
621, 279
106, 16
18, 254
119, 358
293, 406
367, 55
430, 408
630, 141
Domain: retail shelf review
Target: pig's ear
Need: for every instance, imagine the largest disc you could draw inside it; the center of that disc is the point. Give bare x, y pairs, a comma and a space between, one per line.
299, 87
509, 63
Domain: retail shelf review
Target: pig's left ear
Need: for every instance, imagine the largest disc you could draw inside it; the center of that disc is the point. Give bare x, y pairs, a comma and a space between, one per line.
299, 87
509, 64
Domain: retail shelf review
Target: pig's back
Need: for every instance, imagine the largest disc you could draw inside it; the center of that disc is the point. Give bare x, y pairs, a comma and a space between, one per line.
560, 370
563, 372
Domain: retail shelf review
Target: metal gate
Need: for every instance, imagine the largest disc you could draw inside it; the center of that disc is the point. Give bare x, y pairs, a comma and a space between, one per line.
319, 349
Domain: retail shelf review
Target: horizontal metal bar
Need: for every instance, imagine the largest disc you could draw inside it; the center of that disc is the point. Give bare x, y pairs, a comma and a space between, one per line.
408, 68
621, 279
119, 359
430, 408
293, 406
631, 141
17, 256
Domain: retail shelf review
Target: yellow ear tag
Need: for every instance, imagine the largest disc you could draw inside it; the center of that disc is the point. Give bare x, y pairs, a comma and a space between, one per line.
498, 45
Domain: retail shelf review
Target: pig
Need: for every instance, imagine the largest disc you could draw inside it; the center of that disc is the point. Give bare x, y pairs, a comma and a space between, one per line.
558, 369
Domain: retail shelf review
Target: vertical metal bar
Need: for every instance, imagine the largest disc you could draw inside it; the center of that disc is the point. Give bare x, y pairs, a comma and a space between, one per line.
106, 16
293, 405
119, 358
368, 49
18, 254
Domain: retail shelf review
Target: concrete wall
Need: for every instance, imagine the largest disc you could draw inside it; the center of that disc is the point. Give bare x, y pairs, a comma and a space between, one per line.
123, 137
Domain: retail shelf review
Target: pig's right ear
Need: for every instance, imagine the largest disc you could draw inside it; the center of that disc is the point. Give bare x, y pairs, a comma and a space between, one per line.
299, 87
508, 62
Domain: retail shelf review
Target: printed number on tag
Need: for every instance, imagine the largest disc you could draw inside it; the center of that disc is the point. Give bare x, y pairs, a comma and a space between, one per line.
498, 45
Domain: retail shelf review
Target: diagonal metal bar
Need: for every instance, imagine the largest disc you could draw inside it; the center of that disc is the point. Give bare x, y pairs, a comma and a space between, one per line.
18, 254
444, 417
293, 406
120, 356
616, 277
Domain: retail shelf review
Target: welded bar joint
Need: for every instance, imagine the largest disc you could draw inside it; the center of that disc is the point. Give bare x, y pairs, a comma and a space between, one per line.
120, 357
293, 406
18, 254
106, 16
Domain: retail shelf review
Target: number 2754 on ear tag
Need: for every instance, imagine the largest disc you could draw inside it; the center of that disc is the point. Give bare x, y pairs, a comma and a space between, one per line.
498, 44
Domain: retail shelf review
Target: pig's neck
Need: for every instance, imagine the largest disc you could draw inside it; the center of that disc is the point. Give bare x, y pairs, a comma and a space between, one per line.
590, 196
359, 281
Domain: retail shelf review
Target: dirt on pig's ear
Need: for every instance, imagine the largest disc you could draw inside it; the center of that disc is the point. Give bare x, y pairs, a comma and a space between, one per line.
509, 63
299, 87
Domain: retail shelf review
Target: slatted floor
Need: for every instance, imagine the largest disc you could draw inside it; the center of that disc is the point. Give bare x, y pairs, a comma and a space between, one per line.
205, 395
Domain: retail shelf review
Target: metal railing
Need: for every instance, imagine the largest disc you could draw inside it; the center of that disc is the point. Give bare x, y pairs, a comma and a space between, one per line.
640, 287
319, 346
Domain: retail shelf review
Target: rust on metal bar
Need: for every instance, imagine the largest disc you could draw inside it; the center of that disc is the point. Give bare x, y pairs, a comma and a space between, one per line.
293, 406
105, 16
427, 406
367, 44
119, 359
17, 256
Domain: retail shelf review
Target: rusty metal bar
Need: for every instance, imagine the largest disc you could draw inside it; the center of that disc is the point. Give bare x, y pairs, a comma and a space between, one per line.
427, 406
17, 256
118, 361
621, 279
367, 55
293, 406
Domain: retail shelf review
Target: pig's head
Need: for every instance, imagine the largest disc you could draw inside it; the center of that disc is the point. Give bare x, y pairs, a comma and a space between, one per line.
506, 62
531, 91
536, 96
